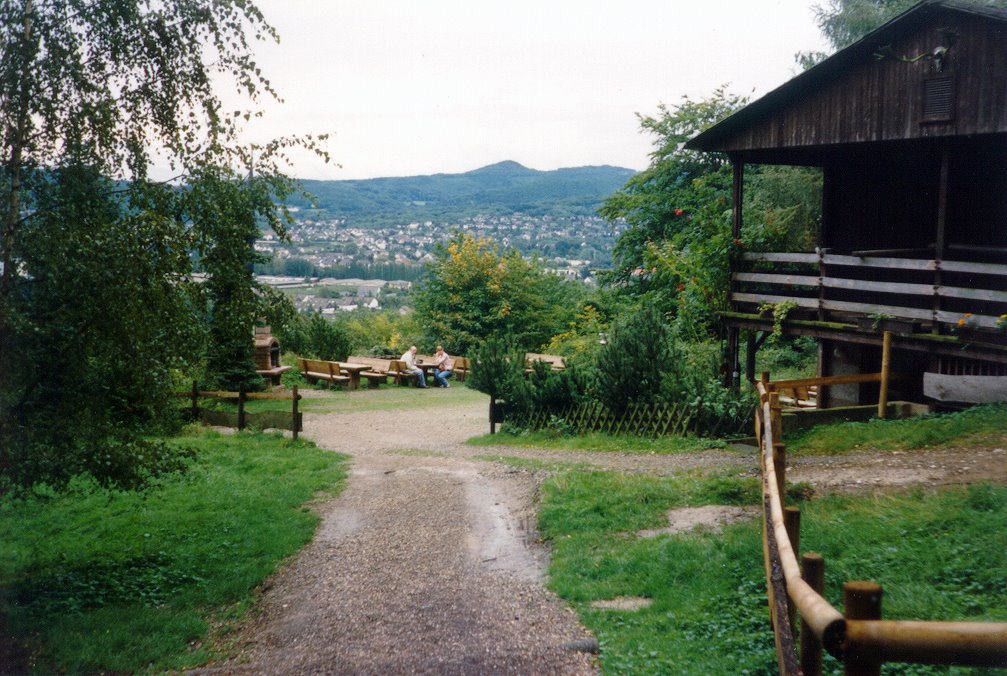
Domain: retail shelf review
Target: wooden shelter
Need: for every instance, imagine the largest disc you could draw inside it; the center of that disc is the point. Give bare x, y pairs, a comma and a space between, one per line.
909, 128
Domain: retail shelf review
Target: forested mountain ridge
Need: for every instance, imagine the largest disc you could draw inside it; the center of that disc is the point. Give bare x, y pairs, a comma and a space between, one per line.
502, 188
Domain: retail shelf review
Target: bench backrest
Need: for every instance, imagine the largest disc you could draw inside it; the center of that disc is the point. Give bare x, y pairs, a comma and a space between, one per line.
397, 366
461, 363
319, 366
555, 361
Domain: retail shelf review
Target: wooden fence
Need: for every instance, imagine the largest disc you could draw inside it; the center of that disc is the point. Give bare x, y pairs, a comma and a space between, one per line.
644, 420
639, 420
858, 637
241, 419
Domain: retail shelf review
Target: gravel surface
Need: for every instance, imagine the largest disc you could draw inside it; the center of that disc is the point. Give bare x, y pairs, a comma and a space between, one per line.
428, 563
424, 564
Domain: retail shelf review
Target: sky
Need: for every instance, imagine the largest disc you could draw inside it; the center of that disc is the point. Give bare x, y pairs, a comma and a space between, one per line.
445, 86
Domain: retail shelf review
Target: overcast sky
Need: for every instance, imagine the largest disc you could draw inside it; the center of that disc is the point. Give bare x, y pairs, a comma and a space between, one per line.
410, 88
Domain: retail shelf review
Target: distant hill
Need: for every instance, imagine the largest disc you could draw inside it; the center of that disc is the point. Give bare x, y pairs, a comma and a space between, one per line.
502, 188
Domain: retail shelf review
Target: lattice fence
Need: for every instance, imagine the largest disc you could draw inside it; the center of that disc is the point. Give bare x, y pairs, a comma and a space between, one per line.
645, 420
639, 420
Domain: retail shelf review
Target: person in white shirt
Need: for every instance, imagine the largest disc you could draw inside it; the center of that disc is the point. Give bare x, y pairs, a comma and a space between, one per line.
410, 359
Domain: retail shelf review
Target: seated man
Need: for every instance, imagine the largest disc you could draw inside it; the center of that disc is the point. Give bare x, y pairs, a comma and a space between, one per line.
410, 359
443, 366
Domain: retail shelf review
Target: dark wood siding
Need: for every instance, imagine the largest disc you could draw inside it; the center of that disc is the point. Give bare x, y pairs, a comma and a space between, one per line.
882, 100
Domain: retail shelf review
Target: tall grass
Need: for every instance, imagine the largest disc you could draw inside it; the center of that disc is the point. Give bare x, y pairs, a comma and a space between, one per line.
114, 581
939, 555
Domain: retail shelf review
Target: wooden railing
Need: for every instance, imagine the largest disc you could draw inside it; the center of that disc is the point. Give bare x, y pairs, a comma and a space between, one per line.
241, 419
938, 292
858, 636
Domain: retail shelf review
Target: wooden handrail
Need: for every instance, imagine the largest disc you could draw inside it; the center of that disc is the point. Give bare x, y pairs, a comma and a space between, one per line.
964, 643
832, 380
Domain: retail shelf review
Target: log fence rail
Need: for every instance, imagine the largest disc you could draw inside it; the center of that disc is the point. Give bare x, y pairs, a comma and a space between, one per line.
292, 421
858, 636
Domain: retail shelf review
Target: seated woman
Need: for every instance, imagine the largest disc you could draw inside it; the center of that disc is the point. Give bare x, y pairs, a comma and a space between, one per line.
443, 367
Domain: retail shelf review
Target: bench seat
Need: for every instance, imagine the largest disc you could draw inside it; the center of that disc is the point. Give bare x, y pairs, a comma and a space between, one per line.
317, 369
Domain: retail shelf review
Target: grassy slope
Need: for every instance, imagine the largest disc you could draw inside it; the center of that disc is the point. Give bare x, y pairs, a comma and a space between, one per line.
939, 554
126, 581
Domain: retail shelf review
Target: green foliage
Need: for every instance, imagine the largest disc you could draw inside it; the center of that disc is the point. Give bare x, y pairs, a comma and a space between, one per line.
657, 203
97, 316
497, 367
542, 388
326, 339
676, 252
96, 324
789, 357
638, 364
474, 291
109, 581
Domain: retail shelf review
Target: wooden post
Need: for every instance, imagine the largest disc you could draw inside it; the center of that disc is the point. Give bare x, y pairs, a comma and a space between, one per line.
750, 357
295, 425
886, 364
861, 601
195, 401
792, 522
493, 416
780, 469
812, 572
241, 406
776, 416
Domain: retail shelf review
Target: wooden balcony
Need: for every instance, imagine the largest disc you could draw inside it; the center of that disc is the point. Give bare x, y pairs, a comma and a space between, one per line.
950, 307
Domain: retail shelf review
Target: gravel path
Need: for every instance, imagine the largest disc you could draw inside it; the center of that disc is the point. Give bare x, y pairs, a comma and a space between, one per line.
427, 563
424, 564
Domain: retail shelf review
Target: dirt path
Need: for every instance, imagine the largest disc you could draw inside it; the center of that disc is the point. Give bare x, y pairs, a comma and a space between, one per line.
422, 565
427, 563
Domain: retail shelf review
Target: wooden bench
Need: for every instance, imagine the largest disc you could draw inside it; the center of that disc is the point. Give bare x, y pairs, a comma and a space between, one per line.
556, 362
398, 372
377, 374
461, 368
317, 369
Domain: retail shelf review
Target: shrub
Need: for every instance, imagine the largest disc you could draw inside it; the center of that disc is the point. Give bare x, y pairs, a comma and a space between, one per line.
638, 363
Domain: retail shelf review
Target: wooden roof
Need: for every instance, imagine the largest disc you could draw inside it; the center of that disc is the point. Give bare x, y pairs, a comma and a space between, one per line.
881, 89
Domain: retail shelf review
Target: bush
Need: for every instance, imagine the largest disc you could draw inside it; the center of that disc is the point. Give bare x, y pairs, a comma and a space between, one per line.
638, 363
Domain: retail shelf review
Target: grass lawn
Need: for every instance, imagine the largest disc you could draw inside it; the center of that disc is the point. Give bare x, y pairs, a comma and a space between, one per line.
105, 581
385, 398
977, 426
939, 555
598, 442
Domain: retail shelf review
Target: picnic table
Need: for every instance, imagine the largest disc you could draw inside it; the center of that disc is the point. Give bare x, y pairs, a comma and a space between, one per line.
353, 371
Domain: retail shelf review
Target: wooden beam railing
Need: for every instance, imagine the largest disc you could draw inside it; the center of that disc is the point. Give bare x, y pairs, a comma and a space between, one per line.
823, 281
858, 637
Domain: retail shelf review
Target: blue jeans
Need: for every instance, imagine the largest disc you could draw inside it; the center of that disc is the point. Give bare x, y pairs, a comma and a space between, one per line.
421, 379
442, 377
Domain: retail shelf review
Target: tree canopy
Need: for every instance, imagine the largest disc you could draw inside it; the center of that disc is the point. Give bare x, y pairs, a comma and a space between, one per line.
473, 290
99, 316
